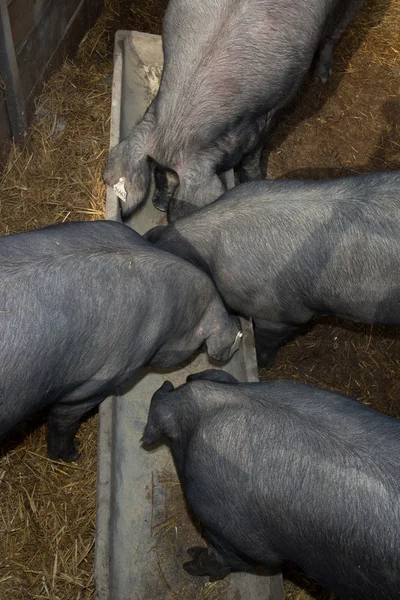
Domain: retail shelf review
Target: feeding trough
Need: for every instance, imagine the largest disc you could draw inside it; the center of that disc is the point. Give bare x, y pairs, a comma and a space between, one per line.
143, 529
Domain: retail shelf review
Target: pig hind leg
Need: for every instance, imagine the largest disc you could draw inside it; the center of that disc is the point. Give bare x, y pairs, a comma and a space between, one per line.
62, 426
269, 337
254, 165
216, 561
324, 56
207, 561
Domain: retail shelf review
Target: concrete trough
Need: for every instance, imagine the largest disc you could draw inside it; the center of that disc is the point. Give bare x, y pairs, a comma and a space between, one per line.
135, 558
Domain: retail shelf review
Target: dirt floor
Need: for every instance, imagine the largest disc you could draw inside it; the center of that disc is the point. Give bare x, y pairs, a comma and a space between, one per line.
350, 125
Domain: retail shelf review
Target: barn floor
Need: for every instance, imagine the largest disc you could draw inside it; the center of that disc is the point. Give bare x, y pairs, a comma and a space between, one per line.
350, 125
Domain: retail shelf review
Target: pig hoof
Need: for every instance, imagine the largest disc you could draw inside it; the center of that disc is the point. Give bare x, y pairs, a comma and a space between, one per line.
322, 74
205, 563
193, 568
265, 361
196, 551
197, 566
70, 454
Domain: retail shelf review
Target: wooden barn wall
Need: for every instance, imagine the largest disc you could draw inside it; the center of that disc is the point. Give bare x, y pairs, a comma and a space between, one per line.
44, 32
5, 130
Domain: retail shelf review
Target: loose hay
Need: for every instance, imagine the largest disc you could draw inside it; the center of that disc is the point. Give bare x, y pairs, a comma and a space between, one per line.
171, 531
352, 124
47, 521
153, 75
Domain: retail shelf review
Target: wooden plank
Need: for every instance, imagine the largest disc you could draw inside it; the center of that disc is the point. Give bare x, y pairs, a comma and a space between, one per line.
5, 131
11, 79
42, 41
24, 15
63, 24
93, 9
59, 35
46, 46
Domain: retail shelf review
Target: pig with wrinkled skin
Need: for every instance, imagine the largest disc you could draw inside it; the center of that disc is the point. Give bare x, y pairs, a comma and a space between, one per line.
281, 471
229, 68
83, 307
283, 251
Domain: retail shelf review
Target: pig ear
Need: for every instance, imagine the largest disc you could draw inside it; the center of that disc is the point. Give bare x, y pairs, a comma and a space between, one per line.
220, 346
166, 183
151, 433
213, 375
159, 421
129, 173
166, 388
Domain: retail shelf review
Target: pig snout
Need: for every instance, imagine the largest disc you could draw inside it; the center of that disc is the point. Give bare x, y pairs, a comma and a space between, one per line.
213, 375
166, 182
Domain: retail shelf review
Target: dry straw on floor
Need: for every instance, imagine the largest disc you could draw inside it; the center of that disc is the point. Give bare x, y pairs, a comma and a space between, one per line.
47, 509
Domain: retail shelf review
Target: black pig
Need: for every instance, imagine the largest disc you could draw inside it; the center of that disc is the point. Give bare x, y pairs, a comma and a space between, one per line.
229, 67
282, 251
82, 307
281, 471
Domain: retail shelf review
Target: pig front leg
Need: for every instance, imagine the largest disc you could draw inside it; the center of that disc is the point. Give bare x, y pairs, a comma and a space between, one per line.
324, 61
62, 426
250, 169
269, 337
207, 561
324, 56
